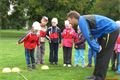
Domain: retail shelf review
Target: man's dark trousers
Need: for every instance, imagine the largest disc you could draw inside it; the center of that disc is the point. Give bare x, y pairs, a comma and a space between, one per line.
103, 57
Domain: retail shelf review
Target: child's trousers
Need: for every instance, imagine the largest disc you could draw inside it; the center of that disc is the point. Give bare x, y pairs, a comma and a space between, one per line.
67, 55
53, 57
79, 56
29, 55
40, 53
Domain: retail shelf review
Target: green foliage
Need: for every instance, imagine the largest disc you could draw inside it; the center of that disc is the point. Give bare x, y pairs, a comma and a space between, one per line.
108, 8
35, 9
4, 6
11, 33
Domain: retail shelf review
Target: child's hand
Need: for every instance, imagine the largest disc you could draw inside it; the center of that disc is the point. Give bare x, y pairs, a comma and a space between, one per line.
17, 43
49, 40
60, 45
76, 46
115, 51
39, 46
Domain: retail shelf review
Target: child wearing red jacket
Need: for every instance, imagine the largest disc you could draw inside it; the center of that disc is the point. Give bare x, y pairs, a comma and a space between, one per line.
68, 37
30, 41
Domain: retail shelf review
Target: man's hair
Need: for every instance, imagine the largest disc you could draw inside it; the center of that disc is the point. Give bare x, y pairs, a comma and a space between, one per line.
73, 14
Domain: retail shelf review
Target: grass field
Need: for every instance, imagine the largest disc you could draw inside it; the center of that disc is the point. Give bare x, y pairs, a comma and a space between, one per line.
12, 55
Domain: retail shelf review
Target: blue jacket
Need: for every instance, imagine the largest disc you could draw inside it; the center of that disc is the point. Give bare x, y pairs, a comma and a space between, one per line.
103, 25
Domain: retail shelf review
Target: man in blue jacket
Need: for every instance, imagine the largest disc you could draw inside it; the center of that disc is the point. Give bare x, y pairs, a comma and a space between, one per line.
101, 34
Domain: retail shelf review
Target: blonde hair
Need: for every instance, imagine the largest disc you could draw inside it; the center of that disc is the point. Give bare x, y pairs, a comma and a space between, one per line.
54, 20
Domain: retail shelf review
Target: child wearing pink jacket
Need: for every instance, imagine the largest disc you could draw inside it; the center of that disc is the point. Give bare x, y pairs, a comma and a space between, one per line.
68, 38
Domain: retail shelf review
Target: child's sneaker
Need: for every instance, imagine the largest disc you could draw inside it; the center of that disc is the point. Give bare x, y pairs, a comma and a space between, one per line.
56, 63
51, 63
33, 66
89, 65
83, 66
64, 65
76, 65
118, 72
69, 65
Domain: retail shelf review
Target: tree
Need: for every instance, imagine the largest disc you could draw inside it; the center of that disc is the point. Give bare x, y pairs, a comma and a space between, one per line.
3, 13
27, 11
110, 8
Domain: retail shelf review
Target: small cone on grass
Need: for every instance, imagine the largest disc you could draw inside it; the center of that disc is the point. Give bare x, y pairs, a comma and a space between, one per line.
15, 69
44, 67
6, 70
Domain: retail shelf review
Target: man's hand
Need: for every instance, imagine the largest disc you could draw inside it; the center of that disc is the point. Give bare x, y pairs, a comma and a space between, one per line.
76, 46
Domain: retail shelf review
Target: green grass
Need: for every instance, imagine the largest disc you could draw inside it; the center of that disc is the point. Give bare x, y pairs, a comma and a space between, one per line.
11, 33
12, 55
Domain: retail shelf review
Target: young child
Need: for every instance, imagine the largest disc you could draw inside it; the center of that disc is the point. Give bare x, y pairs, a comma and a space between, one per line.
117, 50
91, 53
68, 36
79, 49
40, 51
54, 37
30, 41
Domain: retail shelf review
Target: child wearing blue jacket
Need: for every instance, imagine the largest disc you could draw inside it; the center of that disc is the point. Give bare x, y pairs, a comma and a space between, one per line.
105, 30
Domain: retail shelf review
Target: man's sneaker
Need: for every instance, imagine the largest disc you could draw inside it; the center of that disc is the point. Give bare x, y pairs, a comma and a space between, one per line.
64, 65
69, 65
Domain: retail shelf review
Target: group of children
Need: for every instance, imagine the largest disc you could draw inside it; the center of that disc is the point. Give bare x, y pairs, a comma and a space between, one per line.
34, 42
